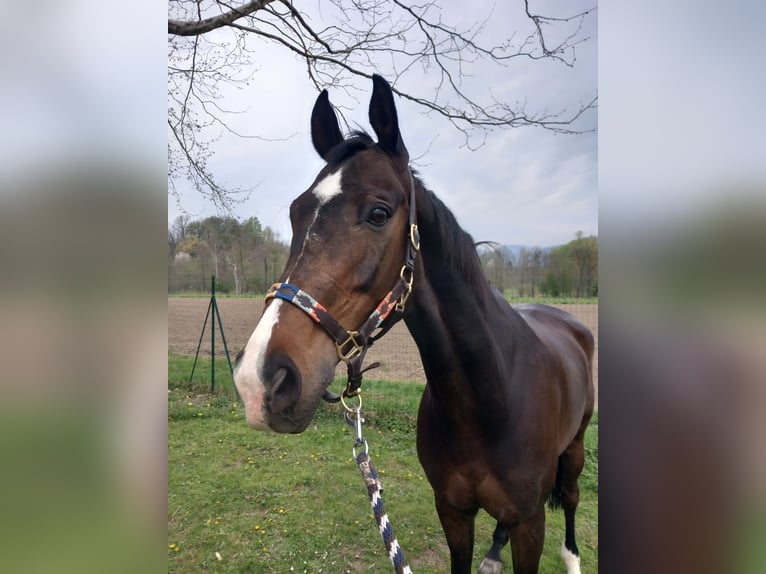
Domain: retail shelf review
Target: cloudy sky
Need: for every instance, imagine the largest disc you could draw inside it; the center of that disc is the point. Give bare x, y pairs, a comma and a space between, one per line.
523, 186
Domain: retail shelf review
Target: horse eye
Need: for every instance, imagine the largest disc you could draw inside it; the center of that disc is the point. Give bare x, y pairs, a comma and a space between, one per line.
378, 216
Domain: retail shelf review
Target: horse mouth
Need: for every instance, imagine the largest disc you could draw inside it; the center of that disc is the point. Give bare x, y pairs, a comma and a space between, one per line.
297, 419
286, 423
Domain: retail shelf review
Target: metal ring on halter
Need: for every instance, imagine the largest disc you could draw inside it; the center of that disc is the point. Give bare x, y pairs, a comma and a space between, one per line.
348, 408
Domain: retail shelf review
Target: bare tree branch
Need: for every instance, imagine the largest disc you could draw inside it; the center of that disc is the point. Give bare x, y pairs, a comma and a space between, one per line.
202, 26
354, 39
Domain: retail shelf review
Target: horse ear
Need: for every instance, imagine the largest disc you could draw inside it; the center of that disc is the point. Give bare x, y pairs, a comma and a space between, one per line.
325, 132
384, 120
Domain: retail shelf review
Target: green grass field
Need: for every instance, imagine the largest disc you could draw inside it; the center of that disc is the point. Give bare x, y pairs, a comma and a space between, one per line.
246, 501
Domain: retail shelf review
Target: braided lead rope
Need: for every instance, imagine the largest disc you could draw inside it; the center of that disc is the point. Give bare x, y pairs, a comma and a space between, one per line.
374, 489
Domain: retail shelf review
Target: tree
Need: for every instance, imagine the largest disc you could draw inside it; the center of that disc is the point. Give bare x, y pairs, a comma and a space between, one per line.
584, 253
572, 269
212, 42
234, 252
531, 262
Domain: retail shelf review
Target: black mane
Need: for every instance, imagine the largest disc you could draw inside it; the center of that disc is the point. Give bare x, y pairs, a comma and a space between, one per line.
456, 244
356, 142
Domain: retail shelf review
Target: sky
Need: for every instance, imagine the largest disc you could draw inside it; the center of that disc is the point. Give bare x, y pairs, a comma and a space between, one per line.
524, 186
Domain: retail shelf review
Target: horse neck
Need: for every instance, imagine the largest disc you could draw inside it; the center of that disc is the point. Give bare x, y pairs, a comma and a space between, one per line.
453, 315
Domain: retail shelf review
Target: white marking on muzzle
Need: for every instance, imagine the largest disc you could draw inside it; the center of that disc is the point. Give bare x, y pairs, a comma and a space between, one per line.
248, 376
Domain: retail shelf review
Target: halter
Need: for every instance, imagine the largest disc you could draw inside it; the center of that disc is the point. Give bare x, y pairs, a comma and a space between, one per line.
352, 346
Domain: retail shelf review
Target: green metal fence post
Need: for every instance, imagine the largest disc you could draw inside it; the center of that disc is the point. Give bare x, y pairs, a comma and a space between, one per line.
217, 313
212, 309
212, 337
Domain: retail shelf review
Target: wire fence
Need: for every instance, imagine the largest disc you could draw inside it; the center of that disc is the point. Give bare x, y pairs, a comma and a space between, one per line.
396, 352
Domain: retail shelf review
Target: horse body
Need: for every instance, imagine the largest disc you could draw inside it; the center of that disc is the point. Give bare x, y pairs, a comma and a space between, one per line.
509, 391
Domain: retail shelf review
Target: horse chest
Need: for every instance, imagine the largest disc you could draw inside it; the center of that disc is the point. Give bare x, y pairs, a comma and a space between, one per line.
469, 487
459, 473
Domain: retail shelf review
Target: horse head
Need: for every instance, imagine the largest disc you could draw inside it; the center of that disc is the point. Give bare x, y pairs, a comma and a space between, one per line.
349, 238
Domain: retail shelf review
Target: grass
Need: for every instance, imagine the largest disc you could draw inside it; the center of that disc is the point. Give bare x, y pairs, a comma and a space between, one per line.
297, 503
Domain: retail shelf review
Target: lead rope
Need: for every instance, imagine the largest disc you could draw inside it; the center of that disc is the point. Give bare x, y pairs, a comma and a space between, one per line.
374, 490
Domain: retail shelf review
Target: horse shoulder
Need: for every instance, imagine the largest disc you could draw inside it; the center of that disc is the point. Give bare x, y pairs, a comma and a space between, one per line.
570, 345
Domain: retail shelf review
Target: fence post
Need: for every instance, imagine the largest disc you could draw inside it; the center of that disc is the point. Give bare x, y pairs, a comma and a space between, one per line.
212, 335
213, 313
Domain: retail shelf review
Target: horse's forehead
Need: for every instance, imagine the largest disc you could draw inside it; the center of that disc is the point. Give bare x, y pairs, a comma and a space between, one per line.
328, 187
364, 169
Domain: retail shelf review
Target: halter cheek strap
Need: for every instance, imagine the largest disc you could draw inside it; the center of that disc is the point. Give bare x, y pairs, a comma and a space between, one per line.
352, 346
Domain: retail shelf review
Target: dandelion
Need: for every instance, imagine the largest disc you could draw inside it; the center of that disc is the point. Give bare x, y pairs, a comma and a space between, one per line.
190, 404
257, 527
171, 546
281, 511
208, 521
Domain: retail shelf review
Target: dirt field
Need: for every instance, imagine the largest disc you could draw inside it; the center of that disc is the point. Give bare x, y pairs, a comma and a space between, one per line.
396, 352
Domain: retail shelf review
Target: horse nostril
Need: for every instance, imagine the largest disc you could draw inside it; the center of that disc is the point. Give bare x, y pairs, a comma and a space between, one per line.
286, 387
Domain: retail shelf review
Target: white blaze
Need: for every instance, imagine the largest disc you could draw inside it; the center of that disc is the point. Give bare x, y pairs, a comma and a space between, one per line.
248, 376
324, 191
328, 188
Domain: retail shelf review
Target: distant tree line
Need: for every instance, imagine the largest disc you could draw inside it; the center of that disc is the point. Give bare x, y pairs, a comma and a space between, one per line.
247, 259
569, 270
244, 256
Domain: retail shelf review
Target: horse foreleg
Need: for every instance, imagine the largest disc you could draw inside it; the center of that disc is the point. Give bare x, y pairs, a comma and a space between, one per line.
492, 563
458, 528
527, 543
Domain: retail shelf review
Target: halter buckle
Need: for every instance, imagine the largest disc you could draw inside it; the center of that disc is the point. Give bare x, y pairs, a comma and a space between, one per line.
349, 348
407, 275
415, 237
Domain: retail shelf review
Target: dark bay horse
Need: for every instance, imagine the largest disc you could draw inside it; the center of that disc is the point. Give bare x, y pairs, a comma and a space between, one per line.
509, 391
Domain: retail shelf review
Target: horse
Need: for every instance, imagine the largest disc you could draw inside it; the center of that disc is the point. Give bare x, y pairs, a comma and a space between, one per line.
509, 390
